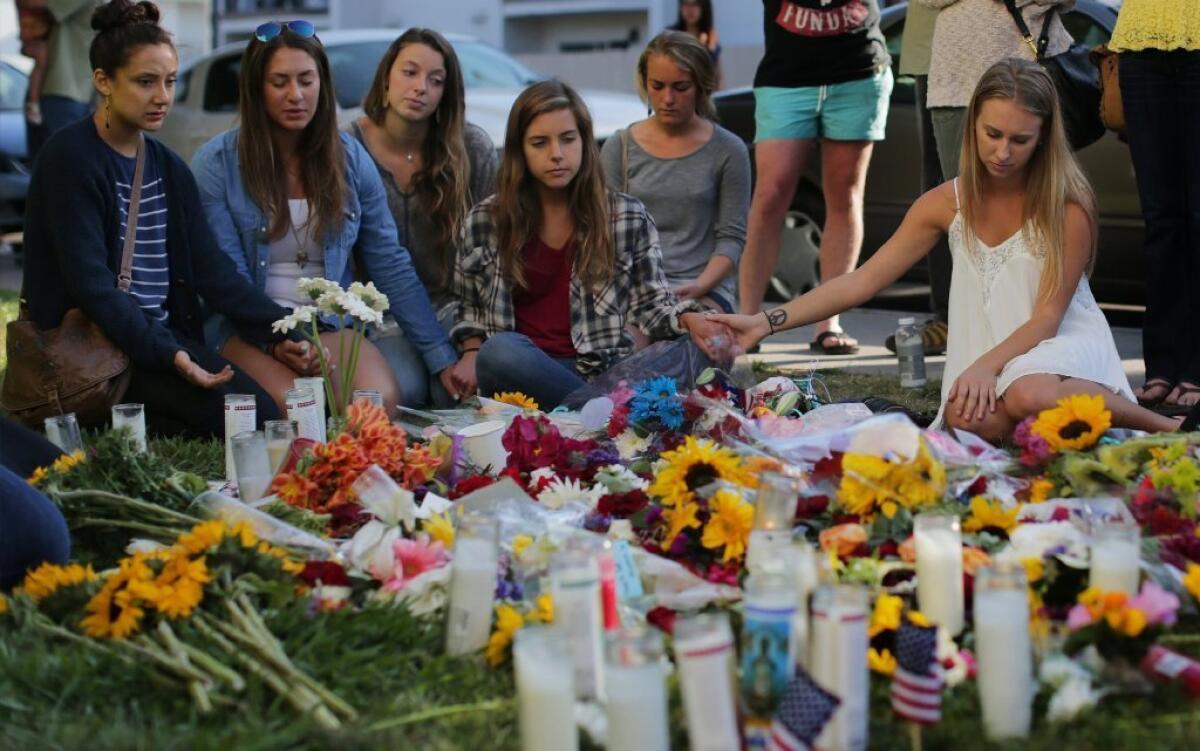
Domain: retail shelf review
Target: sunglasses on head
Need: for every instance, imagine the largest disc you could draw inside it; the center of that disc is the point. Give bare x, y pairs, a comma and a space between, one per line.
271, 29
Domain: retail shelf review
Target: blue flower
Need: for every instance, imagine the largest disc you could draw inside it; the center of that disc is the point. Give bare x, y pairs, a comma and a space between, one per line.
657, 400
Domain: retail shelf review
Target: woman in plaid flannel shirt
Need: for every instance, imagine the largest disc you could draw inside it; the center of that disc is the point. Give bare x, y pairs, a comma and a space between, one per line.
554, 265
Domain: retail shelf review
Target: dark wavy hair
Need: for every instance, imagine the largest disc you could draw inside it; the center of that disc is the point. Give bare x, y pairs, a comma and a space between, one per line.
443, 184
706, 17
121, 27
322, 158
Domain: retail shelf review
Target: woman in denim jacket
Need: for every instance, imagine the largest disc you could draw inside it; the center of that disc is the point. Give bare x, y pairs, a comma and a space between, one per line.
288, 152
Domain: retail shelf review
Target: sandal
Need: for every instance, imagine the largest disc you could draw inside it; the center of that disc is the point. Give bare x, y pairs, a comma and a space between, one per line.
1152, 384
842, 347
1176, 407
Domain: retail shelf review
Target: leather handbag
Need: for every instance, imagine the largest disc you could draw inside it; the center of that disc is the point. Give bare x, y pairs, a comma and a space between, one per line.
73, 367
1112, 108
1074, 76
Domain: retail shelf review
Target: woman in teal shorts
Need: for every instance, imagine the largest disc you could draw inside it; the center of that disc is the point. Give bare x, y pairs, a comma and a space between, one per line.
825, 76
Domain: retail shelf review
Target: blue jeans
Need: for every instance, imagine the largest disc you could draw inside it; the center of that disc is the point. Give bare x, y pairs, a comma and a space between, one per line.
57, 113
418, 388
509, 361
1161, 93
32, 531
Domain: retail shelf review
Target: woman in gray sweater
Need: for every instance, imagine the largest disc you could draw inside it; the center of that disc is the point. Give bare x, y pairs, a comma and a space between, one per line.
692, 174
435, 167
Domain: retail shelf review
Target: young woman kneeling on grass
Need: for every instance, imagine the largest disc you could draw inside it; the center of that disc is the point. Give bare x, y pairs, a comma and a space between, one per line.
1025, 330
553, 265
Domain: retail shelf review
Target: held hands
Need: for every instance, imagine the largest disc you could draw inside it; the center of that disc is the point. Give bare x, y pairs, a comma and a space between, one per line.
198, 376
459, 378
711, 336
749, 330
301, 357
973, 394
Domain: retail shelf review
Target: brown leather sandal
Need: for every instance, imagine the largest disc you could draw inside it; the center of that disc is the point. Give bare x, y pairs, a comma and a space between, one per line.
842, 347
1173, 409
1152, 384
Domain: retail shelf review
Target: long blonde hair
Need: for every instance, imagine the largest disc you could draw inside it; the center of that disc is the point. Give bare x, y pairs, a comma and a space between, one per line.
443, 185
1053, 176
517, 209
684, 50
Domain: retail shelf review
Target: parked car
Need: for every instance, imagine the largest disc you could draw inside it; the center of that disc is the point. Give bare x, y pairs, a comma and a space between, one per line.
206, 96
14, 171
894, 179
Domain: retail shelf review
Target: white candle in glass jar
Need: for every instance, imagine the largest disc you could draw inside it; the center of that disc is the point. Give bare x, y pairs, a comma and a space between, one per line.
636, 691
1116, 558
241, 415
704, 652
940, 570
575, 584
545, 690
1004, 656
133, 417
838, 662
472, 594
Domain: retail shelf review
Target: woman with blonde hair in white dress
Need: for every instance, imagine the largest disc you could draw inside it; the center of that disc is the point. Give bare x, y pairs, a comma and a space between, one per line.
1025, 330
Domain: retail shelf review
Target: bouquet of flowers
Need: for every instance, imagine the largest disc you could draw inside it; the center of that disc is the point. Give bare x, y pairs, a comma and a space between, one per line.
361, 305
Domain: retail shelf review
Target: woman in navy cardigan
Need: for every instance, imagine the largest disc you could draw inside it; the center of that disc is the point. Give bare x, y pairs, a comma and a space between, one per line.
75, 227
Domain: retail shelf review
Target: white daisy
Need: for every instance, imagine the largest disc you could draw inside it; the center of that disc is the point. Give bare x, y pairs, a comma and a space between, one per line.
630, 444
561, 492
315, 287
620, 479
371, 296
303, 314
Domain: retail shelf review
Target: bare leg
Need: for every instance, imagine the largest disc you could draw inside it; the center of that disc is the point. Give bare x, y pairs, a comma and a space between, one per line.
994, 427
275, 377
1031, 394
779, 164
844, 177
373, 372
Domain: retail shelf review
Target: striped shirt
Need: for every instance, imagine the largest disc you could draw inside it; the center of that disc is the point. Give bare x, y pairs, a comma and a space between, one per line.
151, 275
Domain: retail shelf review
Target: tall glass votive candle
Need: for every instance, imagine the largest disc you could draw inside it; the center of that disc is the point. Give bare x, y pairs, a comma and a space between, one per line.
768, 650
302, 408
838, 662
1003, 650
705, 655
241, 415
774, 514
1116, 558
252, 466
575, 583
806, 575
280, 434
940, 569
545, 689
317, 384
133, 417
472, 585
372, 396
636, 691
63, 431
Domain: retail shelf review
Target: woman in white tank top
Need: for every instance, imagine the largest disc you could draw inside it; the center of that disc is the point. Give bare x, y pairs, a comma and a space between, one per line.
1025, 330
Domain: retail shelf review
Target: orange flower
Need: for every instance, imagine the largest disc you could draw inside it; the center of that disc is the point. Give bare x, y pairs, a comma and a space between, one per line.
843, 539
908, 550
294, 489
974, 559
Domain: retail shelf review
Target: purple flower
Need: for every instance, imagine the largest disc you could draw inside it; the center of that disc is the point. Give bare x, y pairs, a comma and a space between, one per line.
506, 590
1035, 451
1079, 617
679, 545
1156, 603
603, 456
598, 523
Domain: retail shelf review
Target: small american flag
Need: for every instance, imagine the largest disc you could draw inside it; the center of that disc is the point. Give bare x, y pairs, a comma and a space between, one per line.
917, 683
803, 710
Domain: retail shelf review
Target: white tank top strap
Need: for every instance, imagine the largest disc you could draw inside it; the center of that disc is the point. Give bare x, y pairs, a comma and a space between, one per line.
955, 182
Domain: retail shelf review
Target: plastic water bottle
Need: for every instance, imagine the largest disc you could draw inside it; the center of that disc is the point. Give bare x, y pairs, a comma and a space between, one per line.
911, 353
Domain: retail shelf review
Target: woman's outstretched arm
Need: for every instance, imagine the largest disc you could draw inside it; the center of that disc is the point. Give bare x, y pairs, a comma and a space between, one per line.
924, 223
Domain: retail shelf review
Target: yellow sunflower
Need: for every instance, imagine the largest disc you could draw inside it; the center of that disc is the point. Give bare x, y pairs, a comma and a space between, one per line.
516, 399
64, 463
38, 476
886, 615
692, 466
114, 613
729, 525
48, 578
543, 610
508, 622
881, 661
678, 519
987, 514
441, 529
1191, 582
1040, 490
203, 537
1075, 424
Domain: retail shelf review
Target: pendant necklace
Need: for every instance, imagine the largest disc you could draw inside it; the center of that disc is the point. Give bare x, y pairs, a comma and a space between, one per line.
301, 245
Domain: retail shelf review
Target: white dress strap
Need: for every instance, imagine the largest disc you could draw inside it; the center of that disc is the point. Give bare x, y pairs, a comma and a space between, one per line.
955, 182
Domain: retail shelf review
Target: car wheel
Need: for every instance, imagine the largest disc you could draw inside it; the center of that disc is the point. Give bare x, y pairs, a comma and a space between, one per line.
799, 267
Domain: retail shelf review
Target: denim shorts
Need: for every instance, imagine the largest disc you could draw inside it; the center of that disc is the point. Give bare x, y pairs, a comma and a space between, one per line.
850, 111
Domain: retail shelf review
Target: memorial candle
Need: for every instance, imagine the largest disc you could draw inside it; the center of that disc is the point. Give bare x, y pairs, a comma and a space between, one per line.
472, 585
940, 570
1003, 650
838, 662
704, 653
545, 689
1116, 558
636, 691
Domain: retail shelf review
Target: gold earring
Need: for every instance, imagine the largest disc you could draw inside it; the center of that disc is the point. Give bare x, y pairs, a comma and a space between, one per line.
107, 111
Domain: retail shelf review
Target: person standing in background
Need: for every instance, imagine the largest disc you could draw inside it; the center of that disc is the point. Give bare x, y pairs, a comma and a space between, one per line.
825, 75
1159, 46
915, 49
66, 88
696, 18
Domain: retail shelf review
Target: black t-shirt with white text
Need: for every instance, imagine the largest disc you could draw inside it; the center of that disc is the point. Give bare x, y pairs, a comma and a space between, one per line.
820, 42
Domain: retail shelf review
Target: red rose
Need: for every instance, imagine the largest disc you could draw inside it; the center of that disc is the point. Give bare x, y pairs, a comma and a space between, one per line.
663, 618
622, 505
979, 487
829, 468
328, 573
469, 485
